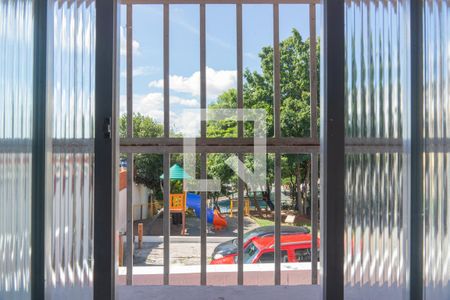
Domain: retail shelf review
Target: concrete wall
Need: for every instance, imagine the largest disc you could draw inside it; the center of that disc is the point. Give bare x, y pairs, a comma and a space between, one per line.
140, 197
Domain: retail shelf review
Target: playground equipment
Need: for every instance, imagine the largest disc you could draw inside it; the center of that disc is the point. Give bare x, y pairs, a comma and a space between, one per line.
179, 203
235, 203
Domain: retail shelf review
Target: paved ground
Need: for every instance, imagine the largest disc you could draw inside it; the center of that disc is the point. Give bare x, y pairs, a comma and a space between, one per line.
193, 227
184, 252
181, 253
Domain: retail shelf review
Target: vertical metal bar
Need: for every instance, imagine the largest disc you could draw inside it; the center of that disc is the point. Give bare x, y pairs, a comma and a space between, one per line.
39, 151
332, 153
202, 68
276, 71
415, 149
130, 233
314, 214
313, 69
130, 218
129, 70
166, 160
240, 103
240, 224
277, 134
239, 64
106, 115
277, 218
166, 71
166, 216
203, 136
203, 195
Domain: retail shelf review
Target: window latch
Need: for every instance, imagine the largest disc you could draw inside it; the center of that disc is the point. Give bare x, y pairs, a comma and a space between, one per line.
107, 128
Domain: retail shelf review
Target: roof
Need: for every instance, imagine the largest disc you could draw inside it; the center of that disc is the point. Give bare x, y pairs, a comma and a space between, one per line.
268, 241
177, 172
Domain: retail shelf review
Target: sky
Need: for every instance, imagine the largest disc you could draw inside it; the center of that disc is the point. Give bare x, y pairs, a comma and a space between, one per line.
184, 40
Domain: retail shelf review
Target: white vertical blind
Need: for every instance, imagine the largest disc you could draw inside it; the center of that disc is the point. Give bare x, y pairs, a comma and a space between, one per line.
16, 110
436, 62
376, 89
70, 264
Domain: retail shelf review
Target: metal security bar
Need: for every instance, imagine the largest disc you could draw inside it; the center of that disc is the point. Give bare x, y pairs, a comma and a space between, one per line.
278, 144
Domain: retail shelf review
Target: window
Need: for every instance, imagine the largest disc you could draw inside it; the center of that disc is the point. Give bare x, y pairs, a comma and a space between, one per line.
303, 255
268, 257
203, 55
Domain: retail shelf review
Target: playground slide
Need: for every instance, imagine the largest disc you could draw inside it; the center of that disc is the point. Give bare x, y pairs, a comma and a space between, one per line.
212, 216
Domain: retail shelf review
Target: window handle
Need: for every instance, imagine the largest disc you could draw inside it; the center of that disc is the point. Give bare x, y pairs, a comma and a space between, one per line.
107, 128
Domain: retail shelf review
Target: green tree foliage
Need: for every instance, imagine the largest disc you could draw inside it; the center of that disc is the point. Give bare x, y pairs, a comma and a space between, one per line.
295, 109
147, 167
257, 93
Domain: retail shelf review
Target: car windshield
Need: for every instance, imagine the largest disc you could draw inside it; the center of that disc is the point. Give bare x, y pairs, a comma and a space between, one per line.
250, 251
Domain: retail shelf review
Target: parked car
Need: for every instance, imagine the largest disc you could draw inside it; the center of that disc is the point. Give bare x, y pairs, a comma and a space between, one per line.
294, 248
231, 247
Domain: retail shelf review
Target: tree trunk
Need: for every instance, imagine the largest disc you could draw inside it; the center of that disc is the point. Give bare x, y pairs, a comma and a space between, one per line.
308, 187
256, 204
299, 191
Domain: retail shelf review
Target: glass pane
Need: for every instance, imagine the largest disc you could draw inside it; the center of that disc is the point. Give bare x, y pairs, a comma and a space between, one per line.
70, 265
259, 226
436, 159
258, 62
296, 229
376, 88
184, 81
185, 228
222, 215
16, 110
148, 71
147, 210
294, 77
221, 74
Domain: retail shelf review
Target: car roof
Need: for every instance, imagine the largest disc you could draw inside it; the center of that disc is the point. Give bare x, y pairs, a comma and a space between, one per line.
268, 241
285, 229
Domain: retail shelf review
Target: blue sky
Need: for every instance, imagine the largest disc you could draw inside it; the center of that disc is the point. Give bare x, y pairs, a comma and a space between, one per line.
185, 55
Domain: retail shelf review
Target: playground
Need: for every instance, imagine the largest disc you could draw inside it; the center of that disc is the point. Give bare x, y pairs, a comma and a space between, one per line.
185, 224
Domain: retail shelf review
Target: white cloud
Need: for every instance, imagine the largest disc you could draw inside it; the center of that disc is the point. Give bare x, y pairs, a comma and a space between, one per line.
141, 71
217, 82
186, 123
184, 102
152, 104
123, 43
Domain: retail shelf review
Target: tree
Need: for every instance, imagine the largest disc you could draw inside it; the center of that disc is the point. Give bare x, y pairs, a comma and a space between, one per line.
294, 110
147, 167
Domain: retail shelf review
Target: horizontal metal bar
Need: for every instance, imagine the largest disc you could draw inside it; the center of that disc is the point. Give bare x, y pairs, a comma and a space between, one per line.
219, 149
217, 142
282, 141
220, 1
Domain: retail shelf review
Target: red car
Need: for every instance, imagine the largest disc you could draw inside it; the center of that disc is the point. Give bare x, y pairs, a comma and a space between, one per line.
294, 248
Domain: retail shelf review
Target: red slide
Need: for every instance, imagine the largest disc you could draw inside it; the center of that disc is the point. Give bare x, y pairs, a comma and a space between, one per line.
219, 221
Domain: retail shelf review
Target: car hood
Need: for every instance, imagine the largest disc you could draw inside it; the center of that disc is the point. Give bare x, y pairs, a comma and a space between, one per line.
226, 248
